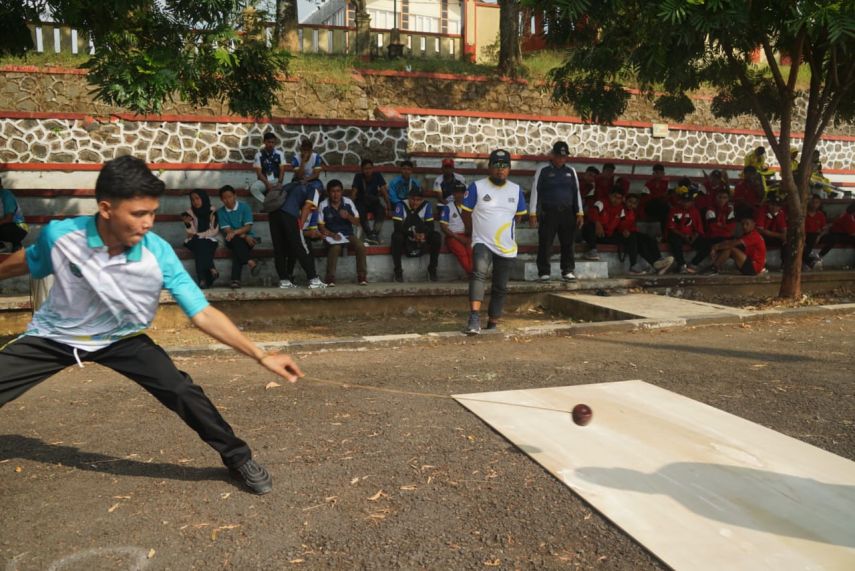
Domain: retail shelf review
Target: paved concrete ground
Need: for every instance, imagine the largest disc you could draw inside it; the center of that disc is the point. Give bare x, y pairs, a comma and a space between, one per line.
94, 474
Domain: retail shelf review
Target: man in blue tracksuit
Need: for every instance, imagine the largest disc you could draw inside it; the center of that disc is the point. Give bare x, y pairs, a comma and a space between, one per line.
555, 207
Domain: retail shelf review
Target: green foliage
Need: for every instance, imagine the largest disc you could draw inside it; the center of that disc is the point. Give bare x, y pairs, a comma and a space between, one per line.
148, 52
671, 47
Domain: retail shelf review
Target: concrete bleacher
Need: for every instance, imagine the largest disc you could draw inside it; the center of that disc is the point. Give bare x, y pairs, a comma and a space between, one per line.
47, 195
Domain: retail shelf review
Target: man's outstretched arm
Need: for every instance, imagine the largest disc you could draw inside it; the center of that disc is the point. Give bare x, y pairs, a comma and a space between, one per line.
216, 324
15, 265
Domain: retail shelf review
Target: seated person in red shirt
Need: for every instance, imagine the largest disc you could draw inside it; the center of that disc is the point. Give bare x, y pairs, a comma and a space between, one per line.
748, 192
654, 198
771, 223
719, 225
842, 232
815, 222
636, 243
685, 227
748, 252
586, 185
604, 182
603, 223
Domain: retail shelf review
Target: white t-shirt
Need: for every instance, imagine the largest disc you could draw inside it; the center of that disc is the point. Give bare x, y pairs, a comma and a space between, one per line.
494, 209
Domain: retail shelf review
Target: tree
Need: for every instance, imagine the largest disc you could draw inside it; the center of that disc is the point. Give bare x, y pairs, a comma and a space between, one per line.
285, 30
671, 47
150, 51
510, 55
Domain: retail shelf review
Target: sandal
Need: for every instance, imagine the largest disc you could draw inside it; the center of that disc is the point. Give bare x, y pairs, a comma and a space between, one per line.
254, 267
235, 284
214, 275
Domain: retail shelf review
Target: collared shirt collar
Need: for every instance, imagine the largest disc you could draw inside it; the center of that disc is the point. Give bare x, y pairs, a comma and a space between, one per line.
94, 241
237, 204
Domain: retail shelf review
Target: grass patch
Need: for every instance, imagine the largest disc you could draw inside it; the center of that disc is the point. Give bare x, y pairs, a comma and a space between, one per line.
46, 59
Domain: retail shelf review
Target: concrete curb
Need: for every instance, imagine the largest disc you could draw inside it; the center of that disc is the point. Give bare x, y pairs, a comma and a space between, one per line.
570, 329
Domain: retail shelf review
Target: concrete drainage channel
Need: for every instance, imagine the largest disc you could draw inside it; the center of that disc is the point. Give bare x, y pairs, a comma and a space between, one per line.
567, 309
598, 313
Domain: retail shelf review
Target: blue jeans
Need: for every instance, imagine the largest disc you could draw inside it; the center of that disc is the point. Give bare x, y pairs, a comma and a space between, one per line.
482, 259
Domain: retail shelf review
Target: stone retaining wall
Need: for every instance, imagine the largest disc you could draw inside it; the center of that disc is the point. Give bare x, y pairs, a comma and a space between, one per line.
91, 141
439, 133
357, 98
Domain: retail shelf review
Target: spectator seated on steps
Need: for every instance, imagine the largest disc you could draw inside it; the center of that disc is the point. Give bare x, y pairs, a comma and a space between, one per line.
719, 225
13, 227
200, 223
414, 234
337, 216
757, 160
748, 251
748, 192
603, 222
638, 243
307, 166
815, 225
452, 226
403, 185
684, 227
371, 196
235, 221
587, 187
771, 223
654, 198
444, 184
841, 232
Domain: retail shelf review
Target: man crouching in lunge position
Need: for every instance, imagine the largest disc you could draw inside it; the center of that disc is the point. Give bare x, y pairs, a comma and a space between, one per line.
109, 270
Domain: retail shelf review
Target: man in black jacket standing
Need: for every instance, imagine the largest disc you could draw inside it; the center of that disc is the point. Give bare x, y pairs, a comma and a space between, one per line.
555, 207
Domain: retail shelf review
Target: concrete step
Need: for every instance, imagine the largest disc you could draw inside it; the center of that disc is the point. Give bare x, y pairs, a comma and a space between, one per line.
525, 269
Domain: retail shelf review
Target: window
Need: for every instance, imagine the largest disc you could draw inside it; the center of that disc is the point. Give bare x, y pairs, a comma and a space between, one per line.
453, 26
382, 19
424, 24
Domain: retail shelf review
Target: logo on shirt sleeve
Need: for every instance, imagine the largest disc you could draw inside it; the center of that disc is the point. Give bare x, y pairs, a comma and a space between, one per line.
75, 270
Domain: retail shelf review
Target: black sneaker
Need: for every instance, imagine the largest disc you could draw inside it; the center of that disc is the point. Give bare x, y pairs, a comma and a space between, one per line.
432, 275
492, 325
253, 476
399, 276
474, 325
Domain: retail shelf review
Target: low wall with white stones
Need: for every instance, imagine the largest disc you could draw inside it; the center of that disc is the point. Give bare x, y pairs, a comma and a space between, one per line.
472, 134
88, 140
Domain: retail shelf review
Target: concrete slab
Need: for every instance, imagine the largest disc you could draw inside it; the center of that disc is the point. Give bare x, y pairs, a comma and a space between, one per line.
700, 488
644, 305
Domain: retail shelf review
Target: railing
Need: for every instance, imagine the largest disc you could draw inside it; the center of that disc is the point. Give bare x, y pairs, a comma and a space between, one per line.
318, 39
56, 38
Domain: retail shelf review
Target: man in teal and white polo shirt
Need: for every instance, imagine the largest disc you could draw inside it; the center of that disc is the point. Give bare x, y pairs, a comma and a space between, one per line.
491, 207
109, 270
13, 227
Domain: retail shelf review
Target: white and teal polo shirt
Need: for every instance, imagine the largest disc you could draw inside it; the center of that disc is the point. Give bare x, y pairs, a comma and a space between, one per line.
97, 299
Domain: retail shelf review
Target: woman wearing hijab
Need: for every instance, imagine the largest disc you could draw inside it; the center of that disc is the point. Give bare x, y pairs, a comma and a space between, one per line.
202, 232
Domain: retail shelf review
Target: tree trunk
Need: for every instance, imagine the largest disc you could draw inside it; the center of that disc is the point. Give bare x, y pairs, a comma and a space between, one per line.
285, 30
510, 55
793, 247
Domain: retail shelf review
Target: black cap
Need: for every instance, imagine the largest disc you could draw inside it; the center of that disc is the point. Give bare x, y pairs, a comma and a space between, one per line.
560, 149
500, 156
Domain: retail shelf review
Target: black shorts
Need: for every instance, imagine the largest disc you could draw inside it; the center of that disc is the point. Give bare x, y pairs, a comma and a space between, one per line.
747, 268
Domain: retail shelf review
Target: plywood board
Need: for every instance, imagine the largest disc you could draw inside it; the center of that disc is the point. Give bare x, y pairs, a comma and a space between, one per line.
700, 488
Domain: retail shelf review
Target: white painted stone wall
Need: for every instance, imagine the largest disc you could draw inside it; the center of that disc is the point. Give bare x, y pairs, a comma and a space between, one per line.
79, 141
436, 133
